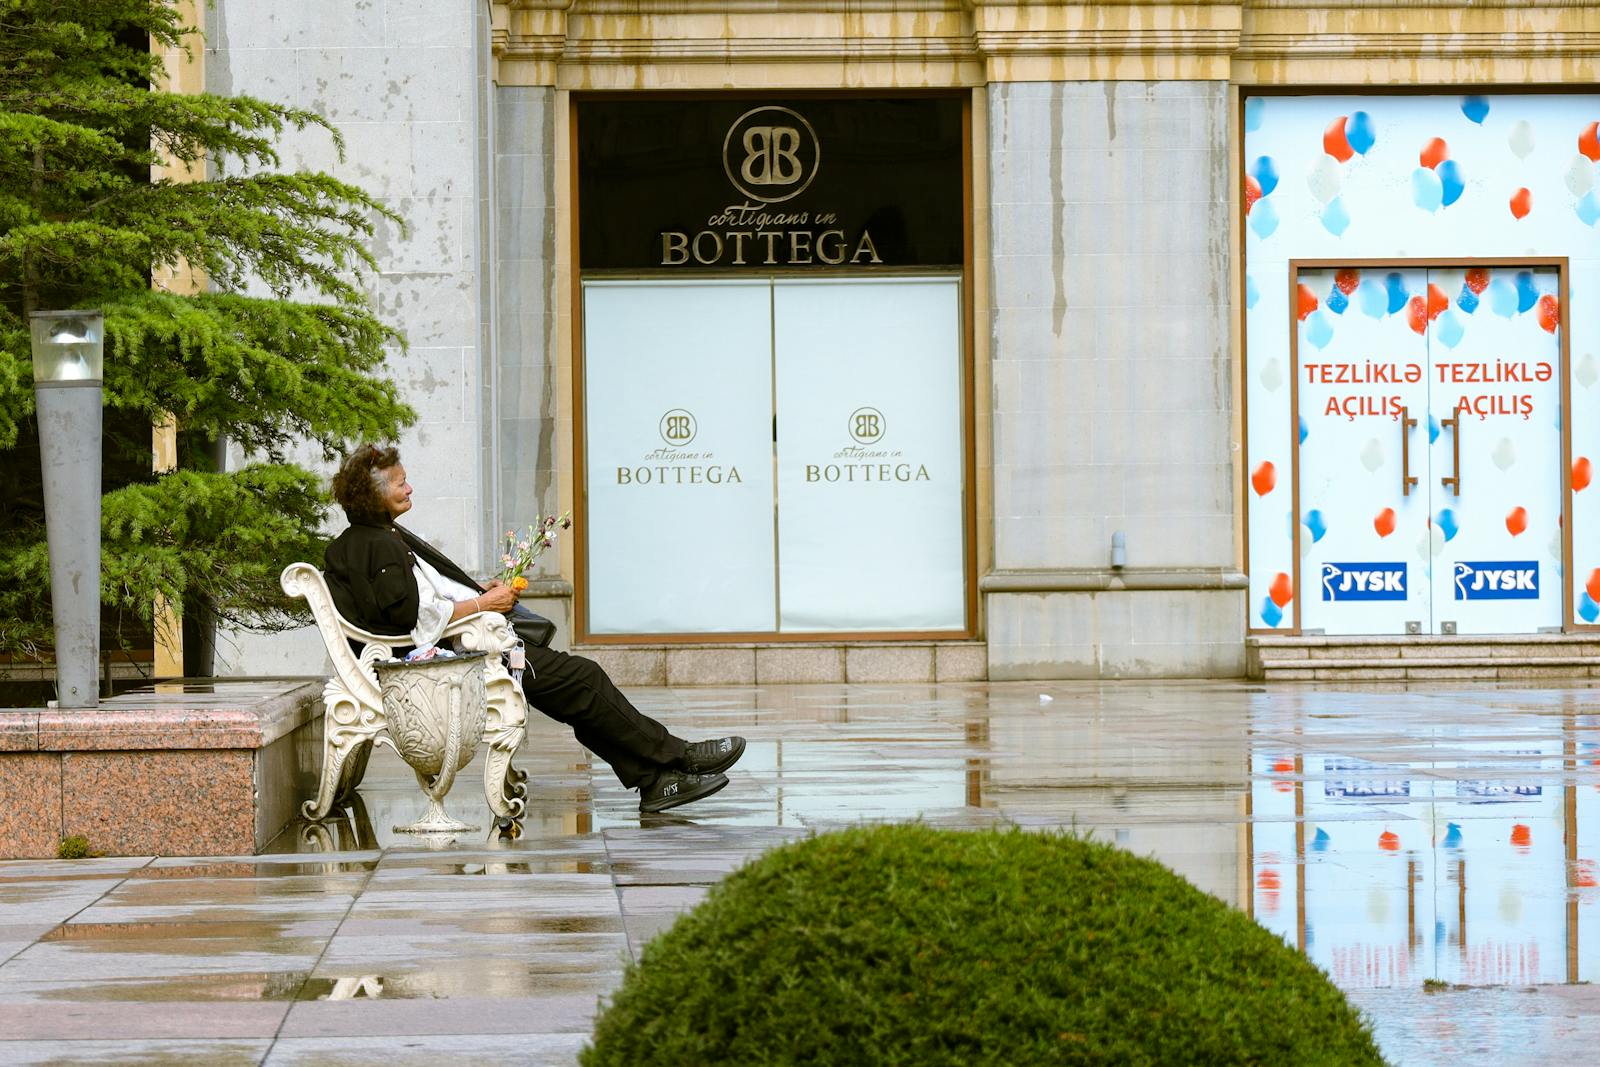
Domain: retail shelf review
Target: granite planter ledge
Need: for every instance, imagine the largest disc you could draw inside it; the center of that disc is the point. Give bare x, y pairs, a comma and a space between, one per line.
179, 769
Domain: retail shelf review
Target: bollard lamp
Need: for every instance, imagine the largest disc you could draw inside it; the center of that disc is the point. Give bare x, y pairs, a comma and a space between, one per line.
68, 359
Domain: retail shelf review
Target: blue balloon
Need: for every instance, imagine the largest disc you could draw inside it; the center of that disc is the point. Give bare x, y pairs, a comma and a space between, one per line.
1502, 298
1427, 191
1433, 429
1319, 331
1265, 174
1476, 108
1527, 292
1251, 293
1335, 217
1452, 835
1321, 841
1316, 524
1271, 614
1336, 301
1263, 218
1359, 132
1588, 208
1304, 433
1252, 112
1452, 182
1394, 283
1588, 610
1374, 301
1447, 524
1468, 300
1450, 329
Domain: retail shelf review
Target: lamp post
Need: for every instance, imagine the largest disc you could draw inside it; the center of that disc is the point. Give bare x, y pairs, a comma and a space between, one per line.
68, 357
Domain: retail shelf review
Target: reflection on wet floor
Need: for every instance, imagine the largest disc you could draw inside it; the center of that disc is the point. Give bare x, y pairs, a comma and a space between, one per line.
1397, 837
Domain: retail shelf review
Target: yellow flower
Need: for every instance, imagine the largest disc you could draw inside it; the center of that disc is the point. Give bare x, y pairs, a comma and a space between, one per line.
519, 583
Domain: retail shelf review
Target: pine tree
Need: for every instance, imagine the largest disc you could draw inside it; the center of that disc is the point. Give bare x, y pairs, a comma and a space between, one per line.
282, 348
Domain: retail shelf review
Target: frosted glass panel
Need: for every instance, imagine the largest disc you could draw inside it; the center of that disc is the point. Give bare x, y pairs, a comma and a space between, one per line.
678, 431
869, 455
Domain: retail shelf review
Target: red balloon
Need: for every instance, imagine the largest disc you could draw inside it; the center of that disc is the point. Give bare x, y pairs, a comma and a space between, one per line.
1308, 302
1521, 203
1437, 301
1434, 153
1521, 835
1517, 520
1335, 143
1582, 471
1549, 312
1478, 280
1384, 522
1282, 590
1417, 315
1252, 193
1588, 142
1347, 280
1282, 766
1389, 841
1264, 478
1593, 585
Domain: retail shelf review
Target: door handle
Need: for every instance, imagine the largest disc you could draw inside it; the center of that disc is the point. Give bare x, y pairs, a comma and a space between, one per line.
1408, 481
1453, 424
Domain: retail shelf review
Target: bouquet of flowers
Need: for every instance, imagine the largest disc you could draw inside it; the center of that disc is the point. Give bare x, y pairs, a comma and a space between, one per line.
522, 548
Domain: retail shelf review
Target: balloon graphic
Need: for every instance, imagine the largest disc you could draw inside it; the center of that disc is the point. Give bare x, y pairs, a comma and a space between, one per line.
1264, 219
1336, 301
1588, 609
1437, 301
1316, 524
1264, 478
1449, 329
1452, 835
1521, 139
1433, 429
1389, 841
1282, 590
1521, 203
1334, 142
1527, 291
1251, 293
1346, 280
1359, 133
1271, 614
1272, 375
1503, 298
1517, 521
1588, 371
1304, 431
1319, 331
1582, 475
1431, 543
1446, 522
1335, 217
1504, 454
1434, 153
1417, 315
1321, 841
1427, 191
1549, 313
1476, 108
1589, 142
1252, 193
1592, 586
1374, 300
1452, 182
1478, 280
1265, 172
1588, 208
1384, 522
1324, 179
1521, 837
1394, 284
1372, 454
1307, 302
1467, 301
1252, 112
1579, 176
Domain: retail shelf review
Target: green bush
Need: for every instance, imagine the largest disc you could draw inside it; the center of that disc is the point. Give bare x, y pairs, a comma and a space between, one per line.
75, 847
910, 945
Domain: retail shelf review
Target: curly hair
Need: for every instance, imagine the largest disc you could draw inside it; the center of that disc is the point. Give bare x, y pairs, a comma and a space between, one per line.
358, 486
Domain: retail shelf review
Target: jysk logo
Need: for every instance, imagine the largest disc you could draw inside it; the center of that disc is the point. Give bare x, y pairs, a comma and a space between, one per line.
1497, 580
677, 428
771, 154
1363, 581
866, 426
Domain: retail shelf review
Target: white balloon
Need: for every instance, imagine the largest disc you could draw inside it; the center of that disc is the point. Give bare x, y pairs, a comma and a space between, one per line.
1587, 373
1504, 454
1521, 139
1580, 175
1272, 375
1372, 454
1324, 179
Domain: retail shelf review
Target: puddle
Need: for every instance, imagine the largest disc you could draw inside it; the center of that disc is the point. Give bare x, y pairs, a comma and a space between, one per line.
157, 931
246, 986
247, 869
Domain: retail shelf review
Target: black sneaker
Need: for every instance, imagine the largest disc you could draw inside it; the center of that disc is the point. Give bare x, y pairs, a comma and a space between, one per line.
672, 788
712, 757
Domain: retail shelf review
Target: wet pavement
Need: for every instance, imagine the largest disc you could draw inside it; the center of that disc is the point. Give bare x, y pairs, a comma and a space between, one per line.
1437, 851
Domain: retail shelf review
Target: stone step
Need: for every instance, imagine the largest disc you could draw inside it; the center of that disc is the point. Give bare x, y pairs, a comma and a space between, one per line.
1386, 658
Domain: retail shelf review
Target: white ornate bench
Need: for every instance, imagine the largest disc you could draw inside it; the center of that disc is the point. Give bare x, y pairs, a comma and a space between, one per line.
354, 710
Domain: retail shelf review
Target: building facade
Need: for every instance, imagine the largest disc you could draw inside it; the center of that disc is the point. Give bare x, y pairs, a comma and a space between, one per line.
949, 340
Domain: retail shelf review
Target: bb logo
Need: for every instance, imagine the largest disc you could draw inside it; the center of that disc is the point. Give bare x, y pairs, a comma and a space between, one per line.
1364, 581
866, 426
1497, 580
678, 428
771, 154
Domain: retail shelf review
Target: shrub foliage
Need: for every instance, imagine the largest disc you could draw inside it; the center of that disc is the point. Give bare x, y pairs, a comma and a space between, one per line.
910, 945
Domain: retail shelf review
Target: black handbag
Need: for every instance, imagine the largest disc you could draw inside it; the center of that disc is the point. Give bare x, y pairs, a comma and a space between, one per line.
534, 630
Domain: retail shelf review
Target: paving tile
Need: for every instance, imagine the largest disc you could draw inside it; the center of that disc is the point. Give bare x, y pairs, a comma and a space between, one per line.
527, 1015
527, 1050
67, 1020
124, 1051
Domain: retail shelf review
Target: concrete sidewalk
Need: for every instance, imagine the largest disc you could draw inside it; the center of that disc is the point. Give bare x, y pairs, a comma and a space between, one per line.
1439, 836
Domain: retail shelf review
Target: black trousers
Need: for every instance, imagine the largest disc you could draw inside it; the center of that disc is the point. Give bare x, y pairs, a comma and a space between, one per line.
575, 691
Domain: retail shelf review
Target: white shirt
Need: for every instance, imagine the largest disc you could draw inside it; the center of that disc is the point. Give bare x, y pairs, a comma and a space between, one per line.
436, 602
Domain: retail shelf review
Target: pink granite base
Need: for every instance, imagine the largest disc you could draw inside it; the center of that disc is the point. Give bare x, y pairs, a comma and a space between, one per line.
175, 770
